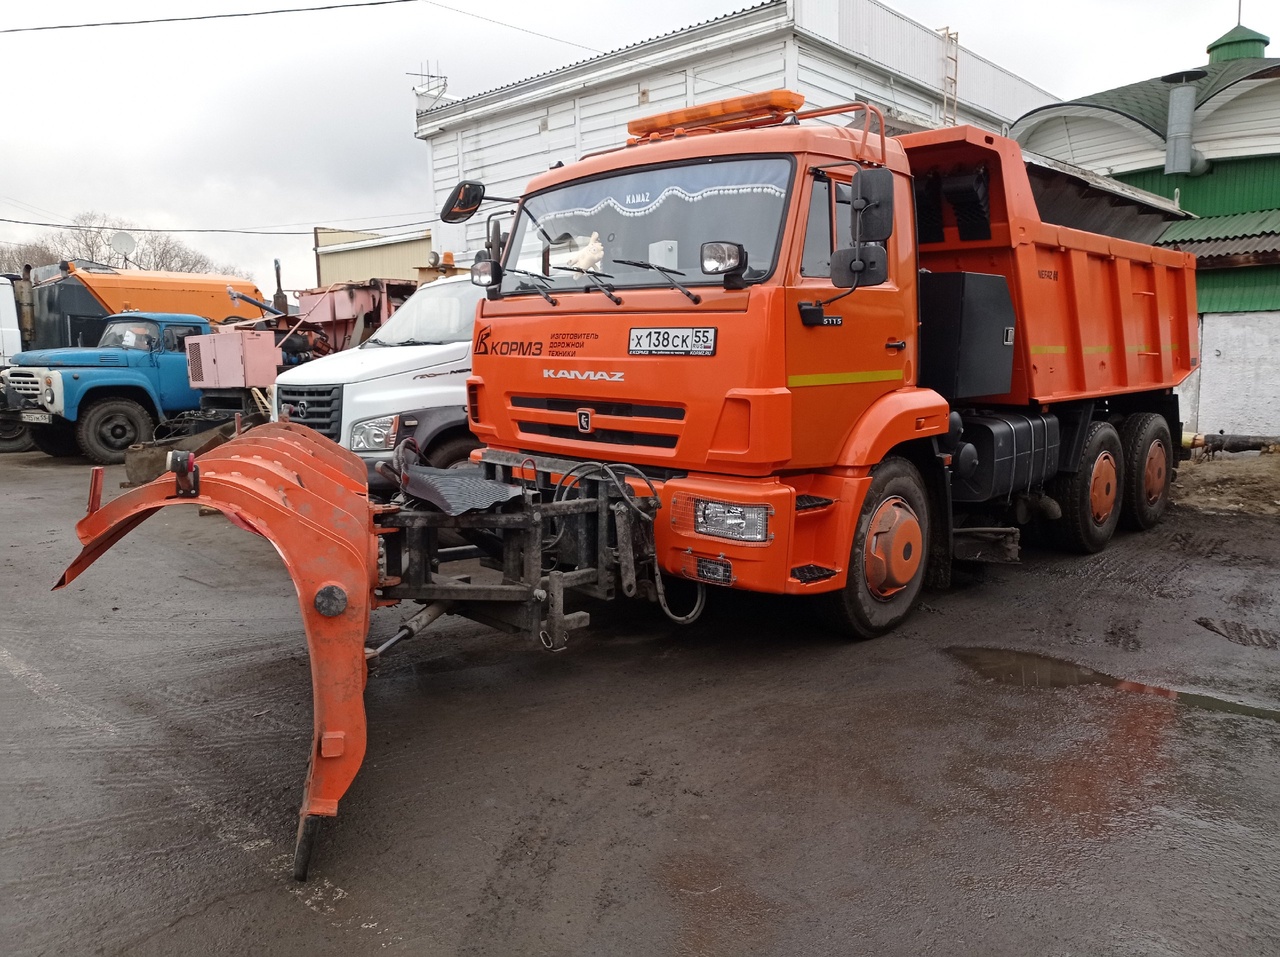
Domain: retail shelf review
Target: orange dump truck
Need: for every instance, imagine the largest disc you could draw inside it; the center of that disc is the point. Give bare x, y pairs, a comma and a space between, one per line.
743, 351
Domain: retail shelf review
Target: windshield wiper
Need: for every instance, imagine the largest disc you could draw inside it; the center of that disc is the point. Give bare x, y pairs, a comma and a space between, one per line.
666, 273
416, 342
373, 342
530, 287
595, 278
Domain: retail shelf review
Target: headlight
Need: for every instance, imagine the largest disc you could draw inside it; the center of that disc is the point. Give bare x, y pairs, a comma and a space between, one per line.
742, 523
375, 434
49, 396
486, 273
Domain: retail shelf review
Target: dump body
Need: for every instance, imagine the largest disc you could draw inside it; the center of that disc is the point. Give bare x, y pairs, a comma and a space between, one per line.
1096, 316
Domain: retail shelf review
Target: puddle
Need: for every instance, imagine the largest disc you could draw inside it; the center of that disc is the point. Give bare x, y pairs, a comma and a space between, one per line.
1030, 670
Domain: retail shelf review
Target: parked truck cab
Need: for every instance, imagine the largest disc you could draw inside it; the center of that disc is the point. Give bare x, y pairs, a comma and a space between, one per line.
406, 381
99, 401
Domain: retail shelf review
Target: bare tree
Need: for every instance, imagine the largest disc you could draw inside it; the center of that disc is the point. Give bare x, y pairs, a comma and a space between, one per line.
13, 257
91, 239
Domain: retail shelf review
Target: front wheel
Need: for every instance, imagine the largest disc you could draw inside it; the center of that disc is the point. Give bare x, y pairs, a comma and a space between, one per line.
889, 555
453, 454
1091, 497
108, 427
15, 437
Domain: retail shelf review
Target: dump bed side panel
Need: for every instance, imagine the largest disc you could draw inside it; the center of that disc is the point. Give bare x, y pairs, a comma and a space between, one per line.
1095, 315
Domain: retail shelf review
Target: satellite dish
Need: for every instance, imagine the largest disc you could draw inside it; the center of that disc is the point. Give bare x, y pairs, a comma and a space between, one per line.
123, 243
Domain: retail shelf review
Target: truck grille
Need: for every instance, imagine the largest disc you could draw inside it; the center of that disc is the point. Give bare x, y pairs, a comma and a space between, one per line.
24, 383
316, 406
559, 420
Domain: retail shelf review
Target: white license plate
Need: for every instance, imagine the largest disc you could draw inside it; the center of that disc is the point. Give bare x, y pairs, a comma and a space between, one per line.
672, 342
39, 418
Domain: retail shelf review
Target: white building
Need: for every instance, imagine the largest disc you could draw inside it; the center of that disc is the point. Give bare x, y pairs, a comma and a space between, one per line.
832, 51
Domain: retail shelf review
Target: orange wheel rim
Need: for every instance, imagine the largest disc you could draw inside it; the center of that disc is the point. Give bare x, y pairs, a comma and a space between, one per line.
1154, 474
894, 548
1102, 488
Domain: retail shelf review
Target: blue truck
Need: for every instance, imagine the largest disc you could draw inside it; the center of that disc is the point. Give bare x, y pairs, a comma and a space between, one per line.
99, 401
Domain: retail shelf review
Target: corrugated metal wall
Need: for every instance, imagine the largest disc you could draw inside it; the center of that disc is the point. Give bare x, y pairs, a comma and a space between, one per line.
387, 261
1230, 186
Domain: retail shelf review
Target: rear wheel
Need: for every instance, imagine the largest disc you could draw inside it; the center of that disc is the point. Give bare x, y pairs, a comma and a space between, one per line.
15, 437
1148, 462
57, 439
108, 427
889, 555
1091, 498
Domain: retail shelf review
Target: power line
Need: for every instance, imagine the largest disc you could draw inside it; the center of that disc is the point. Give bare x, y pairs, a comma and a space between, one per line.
206, 16
78, 227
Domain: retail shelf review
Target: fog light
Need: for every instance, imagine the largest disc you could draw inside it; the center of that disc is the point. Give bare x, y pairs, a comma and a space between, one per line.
742, 523
720, 258
375, 434
717, 572
48, 397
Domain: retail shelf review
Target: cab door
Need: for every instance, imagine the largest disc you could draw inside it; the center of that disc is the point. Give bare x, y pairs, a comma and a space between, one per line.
861, 343
175, 389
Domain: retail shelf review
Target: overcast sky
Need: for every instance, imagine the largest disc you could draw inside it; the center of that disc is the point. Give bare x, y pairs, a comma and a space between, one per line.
305, 119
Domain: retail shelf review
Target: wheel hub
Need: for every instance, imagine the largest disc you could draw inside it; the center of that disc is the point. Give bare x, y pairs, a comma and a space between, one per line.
1102, 488
894, 549
1155, 471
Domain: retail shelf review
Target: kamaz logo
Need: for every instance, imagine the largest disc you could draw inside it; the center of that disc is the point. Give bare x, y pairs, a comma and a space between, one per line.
582, 374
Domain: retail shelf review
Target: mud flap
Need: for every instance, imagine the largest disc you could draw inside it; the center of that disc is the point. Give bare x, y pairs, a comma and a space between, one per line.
309, 498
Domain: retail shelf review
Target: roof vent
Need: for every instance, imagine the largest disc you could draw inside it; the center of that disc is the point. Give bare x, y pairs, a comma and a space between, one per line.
1180, 156
1238, 43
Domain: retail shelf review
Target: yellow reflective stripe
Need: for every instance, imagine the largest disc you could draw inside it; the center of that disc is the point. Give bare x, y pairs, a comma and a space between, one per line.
1048, 350
844, 378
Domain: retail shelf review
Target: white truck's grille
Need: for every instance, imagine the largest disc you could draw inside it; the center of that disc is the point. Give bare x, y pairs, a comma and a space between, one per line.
24, 383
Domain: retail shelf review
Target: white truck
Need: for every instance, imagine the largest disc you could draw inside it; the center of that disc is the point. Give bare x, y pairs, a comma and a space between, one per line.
14, 436
407, 380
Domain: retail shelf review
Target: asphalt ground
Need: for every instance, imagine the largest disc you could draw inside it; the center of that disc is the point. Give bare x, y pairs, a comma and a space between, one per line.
750, 785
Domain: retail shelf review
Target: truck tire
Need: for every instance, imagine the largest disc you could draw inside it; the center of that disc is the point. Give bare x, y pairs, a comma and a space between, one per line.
58, 439
455, 453
1091, 498
109, 426
1148, 464
890, 551
15, 437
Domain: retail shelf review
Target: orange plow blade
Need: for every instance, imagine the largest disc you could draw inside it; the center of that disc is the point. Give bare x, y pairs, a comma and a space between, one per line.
309, 497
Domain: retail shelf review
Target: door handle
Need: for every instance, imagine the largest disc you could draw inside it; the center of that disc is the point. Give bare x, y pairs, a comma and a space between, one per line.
896, 344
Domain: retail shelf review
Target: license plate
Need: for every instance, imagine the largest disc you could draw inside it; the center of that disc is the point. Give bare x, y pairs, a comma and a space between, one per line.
666, 341
38, 418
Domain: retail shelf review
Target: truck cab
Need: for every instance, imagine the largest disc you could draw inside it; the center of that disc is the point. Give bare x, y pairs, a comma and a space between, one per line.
99, 401
406, 381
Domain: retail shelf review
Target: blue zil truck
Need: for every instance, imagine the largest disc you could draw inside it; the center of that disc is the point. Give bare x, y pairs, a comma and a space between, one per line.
99, 401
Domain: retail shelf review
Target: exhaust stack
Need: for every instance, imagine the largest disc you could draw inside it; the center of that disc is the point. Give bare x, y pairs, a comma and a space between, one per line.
1181, 156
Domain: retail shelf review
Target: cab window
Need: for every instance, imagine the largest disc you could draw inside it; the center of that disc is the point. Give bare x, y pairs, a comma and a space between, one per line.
829, 227
175, 337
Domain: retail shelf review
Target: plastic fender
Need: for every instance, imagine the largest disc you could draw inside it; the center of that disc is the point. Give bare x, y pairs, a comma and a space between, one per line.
78, 383
432, 422
892, 419
307, 496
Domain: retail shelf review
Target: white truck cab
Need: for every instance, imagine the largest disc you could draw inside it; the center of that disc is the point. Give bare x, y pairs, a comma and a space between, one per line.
14, 436
407, 380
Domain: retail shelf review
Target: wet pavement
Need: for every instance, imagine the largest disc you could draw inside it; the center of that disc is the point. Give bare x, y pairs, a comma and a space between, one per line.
1072, 756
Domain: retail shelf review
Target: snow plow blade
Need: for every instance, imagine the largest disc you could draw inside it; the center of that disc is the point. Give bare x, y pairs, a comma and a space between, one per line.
309, 497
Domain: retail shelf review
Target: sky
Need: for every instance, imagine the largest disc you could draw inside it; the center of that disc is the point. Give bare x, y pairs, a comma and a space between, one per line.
295, 120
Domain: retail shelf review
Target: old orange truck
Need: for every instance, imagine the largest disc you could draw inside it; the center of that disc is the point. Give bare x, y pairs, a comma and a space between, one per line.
750, 350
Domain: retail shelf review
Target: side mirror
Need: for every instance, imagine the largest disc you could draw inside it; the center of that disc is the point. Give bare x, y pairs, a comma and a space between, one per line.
865, 265
462, 202
872, 206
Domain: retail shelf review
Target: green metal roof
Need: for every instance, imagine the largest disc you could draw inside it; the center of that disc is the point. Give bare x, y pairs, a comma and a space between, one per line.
1256, 289
1257, 223
1230, 186
1148, 102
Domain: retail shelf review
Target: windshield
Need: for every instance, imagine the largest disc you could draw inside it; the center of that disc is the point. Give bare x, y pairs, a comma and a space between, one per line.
657, 215
134, 334
438, 312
